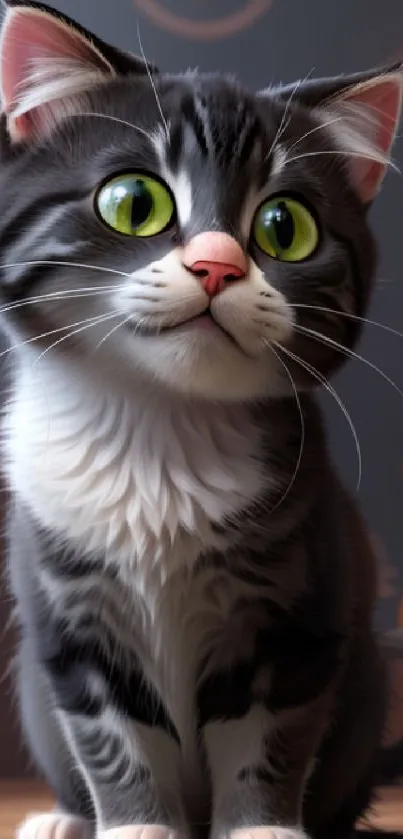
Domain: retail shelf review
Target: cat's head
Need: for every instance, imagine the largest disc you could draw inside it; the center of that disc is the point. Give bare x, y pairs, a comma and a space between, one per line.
179, 228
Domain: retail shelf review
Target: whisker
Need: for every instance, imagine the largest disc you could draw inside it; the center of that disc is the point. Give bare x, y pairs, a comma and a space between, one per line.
320, 127
152, 83
88, 322
330, 389
45, 335
351, 316
302, 424
284, 123
114, 119
66, 263
324, 339
342, 153
62, 295
114, 329
364, 115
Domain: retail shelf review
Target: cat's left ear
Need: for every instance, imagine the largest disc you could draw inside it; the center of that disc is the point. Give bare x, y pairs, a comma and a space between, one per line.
48, 62
363, 113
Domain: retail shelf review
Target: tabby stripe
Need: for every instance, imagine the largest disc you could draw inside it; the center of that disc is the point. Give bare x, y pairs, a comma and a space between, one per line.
30, 277
35, 211
248, 141
175, 147
71, 663
302, 665
194, 119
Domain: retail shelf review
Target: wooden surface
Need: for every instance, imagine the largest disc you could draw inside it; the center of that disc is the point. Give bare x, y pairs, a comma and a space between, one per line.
18, 799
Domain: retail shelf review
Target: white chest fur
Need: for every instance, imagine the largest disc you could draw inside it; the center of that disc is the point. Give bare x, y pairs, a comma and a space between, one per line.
136, 479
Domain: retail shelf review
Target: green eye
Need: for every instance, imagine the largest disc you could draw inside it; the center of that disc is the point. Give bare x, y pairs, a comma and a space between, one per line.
284, 229
135, 205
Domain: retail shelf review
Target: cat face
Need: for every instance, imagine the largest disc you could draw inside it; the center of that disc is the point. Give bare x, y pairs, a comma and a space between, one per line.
180, 229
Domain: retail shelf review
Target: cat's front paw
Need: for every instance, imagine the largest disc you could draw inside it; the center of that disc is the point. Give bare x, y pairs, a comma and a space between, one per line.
53, 826
140, 831
269, 832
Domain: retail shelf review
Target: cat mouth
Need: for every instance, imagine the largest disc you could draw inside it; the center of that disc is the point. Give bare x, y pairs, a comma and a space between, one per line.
204, 321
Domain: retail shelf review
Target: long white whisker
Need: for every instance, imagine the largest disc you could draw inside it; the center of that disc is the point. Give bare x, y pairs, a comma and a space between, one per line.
114, 329
342, 153
45, 335
324, 339
65, 263
330, 389
284, 122
313, 131
87, 324
114, 119
302, 424
152, 83
351, 316
67, 295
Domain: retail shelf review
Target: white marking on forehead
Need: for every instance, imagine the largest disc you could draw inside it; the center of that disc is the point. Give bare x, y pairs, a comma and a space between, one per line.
279, 160
182, 189
248, 211
159, 141
179, 182
202, 111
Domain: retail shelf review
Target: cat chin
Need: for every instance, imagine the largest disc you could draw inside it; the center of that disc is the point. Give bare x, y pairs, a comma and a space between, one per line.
210, 367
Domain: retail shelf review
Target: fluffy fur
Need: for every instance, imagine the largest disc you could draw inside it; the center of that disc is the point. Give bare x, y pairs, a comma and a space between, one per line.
193, 585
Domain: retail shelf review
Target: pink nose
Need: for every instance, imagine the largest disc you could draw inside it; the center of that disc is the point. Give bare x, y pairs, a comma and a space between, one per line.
216, 259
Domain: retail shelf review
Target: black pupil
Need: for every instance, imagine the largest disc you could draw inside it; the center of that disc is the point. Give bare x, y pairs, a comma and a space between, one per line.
281, 219
142, 203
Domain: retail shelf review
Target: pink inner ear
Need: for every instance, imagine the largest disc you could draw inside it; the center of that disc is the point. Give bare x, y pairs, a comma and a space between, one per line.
383, 102
30, 33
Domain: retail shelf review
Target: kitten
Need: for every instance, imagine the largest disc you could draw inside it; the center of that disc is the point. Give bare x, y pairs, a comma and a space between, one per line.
183, 263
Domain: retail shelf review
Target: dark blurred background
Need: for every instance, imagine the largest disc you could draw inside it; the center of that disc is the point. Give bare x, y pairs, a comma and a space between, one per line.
271, 41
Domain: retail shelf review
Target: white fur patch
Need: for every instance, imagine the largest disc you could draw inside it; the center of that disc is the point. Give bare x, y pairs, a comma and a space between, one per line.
181, 186
141, 831
279, 160
47, 825
233, 362
235, 745
179, 182
269, 832
135, 478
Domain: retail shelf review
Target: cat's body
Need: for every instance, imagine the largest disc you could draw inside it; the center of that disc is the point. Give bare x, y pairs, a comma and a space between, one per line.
194, 586
208, 621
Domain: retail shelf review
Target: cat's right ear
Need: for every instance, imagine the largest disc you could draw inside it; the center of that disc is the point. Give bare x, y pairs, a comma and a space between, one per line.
362, 112
47, 65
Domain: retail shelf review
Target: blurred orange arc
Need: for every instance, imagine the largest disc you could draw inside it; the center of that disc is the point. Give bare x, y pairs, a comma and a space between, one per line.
204, 30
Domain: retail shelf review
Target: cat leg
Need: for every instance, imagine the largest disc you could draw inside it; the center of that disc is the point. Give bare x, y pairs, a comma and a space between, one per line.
261, 729
73, 819
141, 831
342, 786
132, 771
101, 764
61, 826
123, 742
